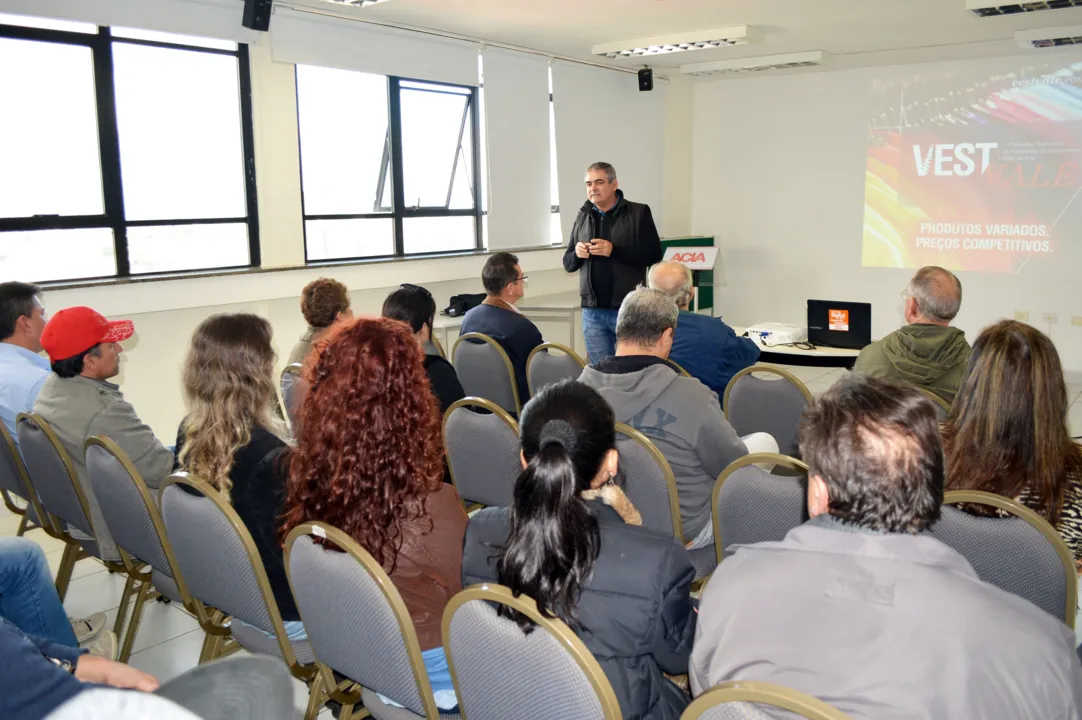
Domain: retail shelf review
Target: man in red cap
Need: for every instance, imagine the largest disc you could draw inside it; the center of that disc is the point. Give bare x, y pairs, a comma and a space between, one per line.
78, 402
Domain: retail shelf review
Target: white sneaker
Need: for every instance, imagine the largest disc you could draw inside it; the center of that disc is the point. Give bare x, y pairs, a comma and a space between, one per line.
104, 645
86, 629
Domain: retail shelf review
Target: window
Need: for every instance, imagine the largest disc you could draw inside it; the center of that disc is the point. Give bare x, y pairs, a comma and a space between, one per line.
126, 152
556, 233
388, 165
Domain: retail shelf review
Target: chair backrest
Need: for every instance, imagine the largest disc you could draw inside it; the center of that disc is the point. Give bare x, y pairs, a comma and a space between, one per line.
742, 700
648, 481
485, 371
677, 367
482, 451
14, 478
942, 407
129, 509
751, 505
52, 473
1022, 554
549, 363
335, 590
754, 404
290, 384
498, 669
218, 557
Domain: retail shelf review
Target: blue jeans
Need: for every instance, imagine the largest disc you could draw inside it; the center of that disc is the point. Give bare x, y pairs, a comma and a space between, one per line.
28, 598
599, 330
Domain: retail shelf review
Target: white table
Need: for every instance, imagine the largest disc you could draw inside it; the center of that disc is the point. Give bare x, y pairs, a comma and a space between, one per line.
559, 308
821, 355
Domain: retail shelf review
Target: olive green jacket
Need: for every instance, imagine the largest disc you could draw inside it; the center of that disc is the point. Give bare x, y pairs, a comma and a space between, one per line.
930, 356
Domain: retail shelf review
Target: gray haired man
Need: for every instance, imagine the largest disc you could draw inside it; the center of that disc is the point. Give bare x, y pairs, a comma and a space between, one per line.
680, 414
926, 352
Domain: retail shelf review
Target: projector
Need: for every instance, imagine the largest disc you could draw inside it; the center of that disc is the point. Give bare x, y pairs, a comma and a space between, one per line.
767, 334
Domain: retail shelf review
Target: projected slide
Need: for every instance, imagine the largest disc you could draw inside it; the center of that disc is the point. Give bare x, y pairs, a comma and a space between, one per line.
976, 173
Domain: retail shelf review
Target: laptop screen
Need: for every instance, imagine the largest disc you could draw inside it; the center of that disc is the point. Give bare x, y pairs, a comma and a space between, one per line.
836, 323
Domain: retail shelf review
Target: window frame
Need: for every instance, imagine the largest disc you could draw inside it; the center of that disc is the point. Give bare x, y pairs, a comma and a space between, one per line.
399, 212
113, 216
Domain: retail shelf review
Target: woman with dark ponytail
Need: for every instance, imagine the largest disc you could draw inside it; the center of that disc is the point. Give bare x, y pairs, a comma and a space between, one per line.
570, 542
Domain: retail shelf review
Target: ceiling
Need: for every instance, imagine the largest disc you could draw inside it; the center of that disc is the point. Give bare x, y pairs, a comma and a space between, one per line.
855, 32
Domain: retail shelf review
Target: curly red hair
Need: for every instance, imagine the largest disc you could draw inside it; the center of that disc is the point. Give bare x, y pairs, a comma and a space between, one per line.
368, 453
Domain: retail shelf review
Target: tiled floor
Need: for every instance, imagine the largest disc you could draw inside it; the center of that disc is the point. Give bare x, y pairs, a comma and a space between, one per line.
169, 639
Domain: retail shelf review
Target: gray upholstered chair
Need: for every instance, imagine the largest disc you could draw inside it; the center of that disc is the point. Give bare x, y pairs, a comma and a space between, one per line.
222, 568
549, 363
136, 525
482, 451
751, 505
677, 367
62, 500
291, 396
743, 700
942, 407
485, 371
498, 669
1021, 553
358, 626
756, 404
14, 480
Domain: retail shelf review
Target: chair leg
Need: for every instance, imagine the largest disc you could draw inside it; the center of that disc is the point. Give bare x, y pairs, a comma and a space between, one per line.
122, 611
22, 526
67, 565
316, 695
211, 646
141, 595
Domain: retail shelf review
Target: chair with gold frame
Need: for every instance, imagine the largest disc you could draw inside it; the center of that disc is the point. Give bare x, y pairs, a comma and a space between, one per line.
677, 367
482, 451
289, 383
223, 569
358, 625
547, 368
1021, 554
755, 404
485, 371
942, 407
136, 525
498, 669
15, 481
750, 504
741, 700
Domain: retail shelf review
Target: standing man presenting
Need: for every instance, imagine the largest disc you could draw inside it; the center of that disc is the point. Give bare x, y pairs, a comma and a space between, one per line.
613, 242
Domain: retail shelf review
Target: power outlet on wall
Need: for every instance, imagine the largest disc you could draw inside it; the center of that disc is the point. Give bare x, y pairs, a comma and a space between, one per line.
1077, 320
1021, 315
1050, 318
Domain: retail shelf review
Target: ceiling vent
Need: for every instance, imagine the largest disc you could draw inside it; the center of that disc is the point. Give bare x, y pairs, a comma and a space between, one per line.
991, 8
678, 42
1049, 37
756, 64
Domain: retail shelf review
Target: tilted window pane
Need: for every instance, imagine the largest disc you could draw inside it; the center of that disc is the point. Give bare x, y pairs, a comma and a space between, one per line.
173, 248
48, 130
433, 124
181, 153
353, 238
342, 118
44, 255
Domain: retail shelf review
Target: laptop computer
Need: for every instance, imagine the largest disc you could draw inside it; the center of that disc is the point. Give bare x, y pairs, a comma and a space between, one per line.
839, 324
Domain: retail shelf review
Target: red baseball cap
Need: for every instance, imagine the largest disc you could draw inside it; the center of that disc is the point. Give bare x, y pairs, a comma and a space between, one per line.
75, 330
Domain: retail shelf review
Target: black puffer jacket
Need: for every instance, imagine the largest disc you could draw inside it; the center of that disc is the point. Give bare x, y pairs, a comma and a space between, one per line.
635, 609
629, 226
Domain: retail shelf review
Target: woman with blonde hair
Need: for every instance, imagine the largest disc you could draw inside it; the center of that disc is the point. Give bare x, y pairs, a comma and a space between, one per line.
232, 438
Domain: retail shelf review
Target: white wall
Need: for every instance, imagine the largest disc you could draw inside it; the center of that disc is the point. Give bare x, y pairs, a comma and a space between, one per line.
778, 177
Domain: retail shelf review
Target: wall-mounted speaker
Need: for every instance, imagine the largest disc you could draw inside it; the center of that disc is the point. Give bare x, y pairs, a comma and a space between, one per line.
646, 80
257, 14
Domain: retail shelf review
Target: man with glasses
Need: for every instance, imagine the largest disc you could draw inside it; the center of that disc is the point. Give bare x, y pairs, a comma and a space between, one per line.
22, 369
927, 351
613, 242
498, 317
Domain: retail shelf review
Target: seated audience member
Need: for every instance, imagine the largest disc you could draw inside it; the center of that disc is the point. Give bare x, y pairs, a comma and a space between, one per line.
498, 317
79, 403
323, 303
368, 461
414, 305
624, 589
1007, 431
703, 345
22, 369
28, 600
232, 438
865, 610
679, 414
926, 352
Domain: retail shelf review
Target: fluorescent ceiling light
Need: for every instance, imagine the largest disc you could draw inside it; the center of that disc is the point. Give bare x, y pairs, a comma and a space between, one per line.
756, 64
679, 42
992, 8
1049, 37
355, 3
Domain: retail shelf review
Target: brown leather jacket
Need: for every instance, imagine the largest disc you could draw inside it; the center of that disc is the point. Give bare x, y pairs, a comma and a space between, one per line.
428, 572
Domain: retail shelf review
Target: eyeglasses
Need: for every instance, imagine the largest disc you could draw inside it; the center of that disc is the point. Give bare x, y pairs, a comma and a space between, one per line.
524, 278
411, 286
